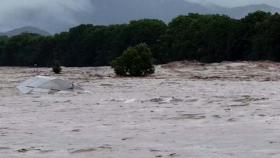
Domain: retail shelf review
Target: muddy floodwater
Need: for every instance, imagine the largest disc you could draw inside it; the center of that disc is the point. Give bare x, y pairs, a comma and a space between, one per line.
185, 110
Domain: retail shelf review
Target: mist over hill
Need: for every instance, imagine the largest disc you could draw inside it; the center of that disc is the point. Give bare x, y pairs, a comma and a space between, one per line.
26, 29
56, 16
121, 11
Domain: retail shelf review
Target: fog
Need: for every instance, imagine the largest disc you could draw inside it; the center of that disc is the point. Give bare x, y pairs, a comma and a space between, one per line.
59, 15
235, 3
52, 15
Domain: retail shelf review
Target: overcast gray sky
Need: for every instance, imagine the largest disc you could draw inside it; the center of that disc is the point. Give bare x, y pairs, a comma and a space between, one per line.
234, 3
67, 13
41, 12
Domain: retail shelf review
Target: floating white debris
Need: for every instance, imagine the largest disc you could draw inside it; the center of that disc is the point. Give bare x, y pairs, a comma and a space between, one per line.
45, 83
129, 101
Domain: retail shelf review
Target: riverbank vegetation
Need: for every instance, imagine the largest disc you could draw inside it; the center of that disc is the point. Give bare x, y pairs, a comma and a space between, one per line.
206, 38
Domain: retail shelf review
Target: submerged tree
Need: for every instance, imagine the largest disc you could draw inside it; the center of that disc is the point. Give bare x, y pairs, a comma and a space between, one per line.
135, 61
56, 68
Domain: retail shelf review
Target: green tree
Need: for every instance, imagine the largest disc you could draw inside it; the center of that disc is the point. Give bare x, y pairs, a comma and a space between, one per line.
147, 31
22, 50
135, 61
250, 34
265, 42
208, 38
56, 68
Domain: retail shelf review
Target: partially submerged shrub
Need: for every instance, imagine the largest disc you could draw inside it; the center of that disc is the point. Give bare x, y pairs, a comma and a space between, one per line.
135, 61
56, 68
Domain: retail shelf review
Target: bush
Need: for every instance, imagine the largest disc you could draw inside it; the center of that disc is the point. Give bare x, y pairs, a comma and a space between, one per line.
56, 67
135, 61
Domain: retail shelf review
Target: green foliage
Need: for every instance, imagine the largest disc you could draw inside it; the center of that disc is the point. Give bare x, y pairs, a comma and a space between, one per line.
135, 61
56, 68
206, 38
145, 30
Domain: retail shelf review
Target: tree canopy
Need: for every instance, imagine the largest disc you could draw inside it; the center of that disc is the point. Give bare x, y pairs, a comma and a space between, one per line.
206, 38
135, 61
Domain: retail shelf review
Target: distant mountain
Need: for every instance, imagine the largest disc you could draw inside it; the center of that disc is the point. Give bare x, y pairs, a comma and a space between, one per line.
239, 12
104, 12
120, 11
27, 29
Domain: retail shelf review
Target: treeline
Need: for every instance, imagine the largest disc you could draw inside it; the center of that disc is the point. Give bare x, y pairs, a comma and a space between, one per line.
206, 38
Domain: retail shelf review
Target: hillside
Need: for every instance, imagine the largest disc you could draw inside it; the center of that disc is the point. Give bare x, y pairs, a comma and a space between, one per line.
108, 12
239, 12
27, 29
114, 12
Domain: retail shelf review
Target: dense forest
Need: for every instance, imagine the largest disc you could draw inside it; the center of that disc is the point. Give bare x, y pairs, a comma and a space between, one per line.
206, 38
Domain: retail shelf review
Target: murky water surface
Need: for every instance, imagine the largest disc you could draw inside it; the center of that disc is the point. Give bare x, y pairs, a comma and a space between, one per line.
228, 110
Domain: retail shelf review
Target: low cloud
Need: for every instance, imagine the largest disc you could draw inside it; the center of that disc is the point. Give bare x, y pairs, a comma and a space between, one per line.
235, 3
52, 15
59, 15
